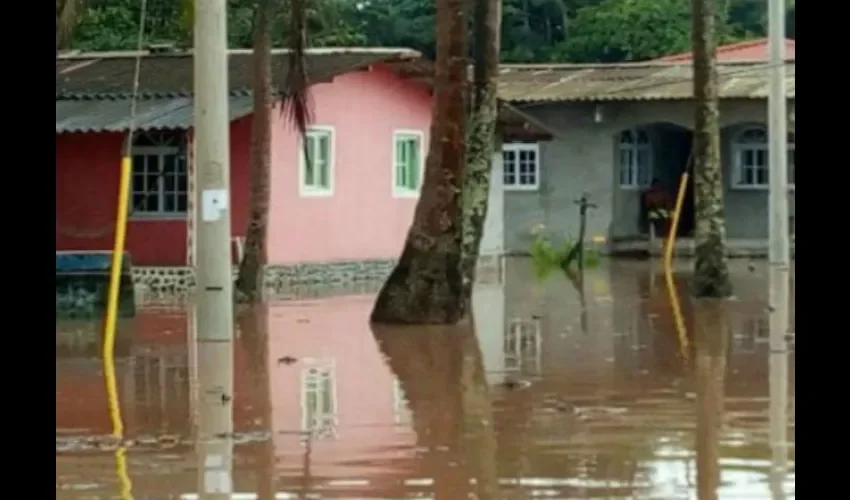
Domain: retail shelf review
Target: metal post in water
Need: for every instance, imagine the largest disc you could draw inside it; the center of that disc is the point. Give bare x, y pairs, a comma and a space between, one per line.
213, 260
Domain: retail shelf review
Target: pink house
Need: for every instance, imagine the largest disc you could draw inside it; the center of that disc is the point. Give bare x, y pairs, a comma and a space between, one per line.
343, 218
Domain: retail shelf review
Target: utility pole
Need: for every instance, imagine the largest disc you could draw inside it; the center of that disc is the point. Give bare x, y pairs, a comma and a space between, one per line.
213, 259
777, 115
779, 253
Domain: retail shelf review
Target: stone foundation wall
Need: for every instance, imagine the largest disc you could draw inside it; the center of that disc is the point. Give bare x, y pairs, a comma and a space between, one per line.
279, 280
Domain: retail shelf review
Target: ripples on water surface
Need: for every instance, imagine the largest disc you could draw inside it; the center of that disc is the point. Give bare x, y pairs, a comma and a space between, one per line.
541, 401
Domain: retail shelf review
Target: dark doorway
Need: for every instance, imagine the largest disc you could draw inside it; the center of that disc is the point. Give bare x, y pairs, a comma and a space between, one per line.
673, 157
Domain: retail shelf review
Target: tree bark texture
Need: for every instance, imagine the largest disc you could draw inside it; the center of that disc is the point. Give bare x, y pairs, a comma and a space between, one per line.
711, 271
426, 286
711, 347
481, 140
249, 282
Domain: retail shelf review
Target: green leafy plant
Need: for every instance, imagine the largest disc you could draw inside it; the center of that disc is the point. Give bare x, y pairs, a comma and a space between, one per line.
547, 256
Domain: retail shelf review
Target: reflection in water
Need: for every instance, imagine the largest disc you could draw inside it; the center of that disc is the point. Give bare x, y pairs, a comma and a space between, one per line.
214, 439
710, 376
441, 372
780, 301
518, 405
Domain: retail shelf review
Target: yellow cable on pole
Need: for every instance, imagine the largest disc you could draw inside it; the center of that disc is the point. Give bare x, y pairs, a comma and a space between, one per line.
111, 320
668, 267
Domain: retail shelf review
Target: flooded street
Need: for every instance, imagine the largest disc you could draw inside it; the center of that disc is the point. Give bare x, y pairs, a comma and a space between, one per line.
547, 393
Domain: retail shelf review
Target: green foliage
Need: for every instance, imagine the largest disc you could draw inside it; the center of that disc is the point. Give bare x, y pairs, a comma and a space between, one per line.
547, 257
532, 30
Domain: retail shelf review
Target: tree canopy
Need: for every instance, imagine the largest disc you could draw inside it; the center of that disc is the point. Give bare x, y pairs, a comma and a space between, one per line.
532, 30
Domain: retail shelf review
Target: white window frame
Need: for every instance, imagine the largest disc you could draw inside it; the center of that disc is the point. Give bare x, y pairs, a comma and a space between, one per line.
315, 191
738, 150
401, 405
517, 148
401, 191
329, 419
516, 360
635, 148
161, 152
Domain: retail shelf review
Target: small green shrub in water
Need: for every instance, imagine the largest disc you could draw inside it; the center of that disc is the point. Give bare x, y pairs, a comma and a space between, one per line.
547, 257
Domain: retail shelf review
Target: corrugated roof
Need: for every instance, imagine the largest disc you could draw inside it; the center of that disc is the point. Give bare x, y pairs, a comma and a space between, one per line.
113, 115
748, 50
170, 74
630, 82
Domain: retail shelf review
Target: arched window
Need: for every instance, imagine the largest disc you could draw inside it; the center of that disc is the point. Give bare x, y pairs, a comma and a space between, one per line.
160, 177
751, 163
635, 158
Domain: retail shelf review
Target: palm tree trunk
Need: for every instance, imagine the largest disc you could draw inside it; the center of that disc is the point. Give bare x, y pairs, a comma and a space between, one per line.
251, 267
711, 273
481, 143
426, 286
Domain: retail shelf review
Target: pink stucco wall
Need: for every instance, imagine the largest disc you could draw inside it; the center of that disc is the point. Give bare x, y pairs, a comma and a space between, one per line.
362, 220
334, 331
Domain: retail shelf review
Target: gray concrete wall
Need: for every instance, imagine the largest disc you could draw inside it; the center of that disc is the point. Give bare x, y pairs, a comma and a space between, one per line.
581, 158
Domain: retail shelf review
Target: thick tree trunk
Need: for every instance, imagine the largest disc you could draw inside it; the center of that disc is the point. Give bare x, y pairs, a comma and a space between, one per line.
712, 274
481, 142
711, 339
426, 286
249, 283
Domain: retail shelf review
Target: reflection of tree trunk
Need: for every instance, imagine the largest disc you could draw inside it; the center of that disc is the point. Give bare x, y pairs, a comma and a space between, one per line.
426, 285
251, 266
441, 372
711, 342
253, 324
711, 274
481, 443
481, 133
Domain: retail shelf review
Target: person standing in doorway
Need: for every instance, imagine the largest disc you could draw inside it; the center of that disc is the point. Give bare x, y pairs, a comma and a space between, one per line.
659, 207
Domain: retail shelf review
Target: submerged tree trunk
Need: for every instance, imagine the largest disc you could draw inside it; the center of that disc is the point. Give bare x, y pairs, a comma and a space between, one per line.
481, 142
711, 273
249, 282
426, 286
711, 342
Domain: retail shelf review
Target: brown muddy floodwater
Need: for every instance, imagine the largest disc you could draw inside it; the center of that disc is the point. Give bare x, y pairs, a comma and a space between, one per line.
547, 395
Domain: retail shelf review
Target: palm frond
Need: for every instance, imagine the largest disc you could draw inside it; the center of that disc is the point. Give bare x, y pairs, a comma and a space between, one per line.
296, 98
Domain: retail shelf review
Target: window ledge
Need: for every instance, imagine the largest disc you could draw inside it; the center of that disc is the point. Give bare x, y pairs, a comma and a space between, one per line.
405, 194
151, 217
309, 193
512, 187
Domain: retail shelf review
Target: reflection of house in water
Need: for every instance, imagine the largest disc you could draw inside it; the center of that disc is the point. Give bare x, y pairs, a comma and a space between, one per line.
488, 305
340, 391
552, 329
650, 339
153, 378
